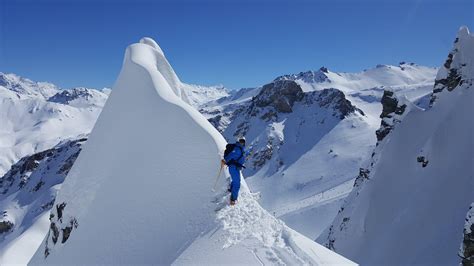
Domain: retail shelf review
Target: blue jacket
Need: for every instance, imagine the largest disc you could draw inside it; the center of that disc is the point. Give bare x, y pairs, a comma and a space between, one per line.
238, 152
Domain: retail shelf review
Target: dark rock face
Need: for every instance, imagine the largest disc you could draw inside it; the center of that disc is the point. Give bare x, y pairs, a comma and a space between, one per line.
280, 95
334, 99
422, 160
66, 96
58, 228
363, 175
390, 107
5, 226
467, 246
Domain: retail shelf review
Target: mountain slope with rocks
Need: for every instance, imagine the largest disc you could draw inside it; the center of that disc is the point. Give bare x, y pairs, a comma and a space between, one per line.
27, 194
409, 204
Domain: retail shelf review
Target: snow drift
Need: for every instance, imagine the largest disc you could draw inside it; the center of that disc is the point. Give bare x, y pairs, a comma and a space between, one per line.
139, 193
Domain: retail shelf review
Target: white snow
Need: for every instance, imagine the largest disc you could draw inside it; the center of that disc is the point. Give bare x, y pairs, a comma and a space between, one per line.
140, 191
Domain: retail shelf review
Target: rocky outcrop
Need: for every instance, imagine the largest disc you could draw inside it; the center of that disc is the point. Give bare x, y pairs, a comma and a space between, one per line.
392, 109
456, 70
332, 99
5, 226
59, 229
281, 95
66, 96
467, 246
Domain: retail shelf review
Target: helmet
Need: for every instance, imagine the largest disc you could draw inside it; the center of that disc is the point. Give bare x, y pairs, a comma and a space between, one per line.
242, 140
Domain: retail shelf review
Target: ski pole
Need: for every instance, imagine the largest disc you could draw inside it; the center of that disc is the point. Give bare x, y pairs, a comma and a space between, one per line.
218, 175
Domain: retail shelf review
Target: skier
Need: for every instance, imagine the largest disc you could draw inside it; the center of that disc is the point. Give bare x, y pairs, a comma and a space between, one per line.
234, 158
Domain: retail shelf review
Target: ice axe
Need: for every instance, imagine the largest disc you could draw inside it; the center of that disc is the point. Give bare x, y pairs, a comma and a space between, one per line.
218, 175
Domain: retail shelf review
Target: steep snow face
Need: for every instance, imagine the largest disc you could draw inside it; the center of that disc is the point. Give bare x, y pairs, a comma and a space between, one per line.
398, 213
140, 192
36, 116
27, 193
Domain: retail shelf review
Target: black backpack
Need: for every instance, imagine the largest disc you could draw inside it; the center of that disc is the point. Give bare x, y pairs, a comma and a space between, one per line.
228, 149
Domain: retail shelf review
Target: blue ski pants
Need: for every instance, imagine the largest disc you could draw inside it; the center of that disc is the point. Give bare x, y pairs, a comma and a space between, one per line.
235, 182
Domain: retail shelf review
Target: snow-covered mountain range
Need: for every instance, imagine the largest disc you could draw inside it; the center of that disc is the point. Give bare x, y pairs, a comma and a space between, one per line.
36, 116
311, 135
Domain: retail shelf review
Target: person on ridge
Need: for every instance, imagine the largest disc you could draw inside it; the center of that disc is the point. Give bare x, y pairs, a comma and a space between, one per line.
234, 158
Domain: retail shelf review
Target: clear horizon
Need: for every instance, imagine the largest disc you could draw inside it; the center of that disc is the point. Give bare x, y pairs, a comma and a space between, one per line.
246, 44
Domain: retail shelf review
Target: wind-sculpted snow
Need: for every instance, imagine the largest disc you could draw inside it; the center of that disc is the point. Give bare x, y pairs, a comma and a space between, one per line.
409, 205
140, 191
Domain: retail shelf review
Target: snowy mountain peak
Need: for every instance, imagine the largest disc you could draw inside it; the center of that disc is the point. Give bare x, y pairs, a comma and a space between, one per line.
24, 87
458, 68
310, 76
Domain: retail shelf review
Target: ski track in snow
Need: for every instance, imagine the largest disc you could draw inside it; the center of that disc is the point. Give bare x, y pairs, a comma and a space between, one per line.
327, 196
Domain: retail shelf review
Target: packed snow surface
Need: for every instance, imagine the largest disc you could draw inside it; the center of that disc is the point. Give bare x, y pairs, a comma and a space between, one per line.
140, 191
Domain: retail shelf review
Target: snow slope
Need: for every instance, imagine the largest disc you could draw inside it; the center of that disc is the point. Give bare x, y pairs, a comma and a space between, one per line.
36, 116
409, 208
140, 190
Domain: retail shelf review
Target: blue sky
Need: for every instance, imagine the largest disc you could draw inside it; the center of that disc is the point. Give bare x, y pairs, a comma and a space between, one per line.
234, 43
